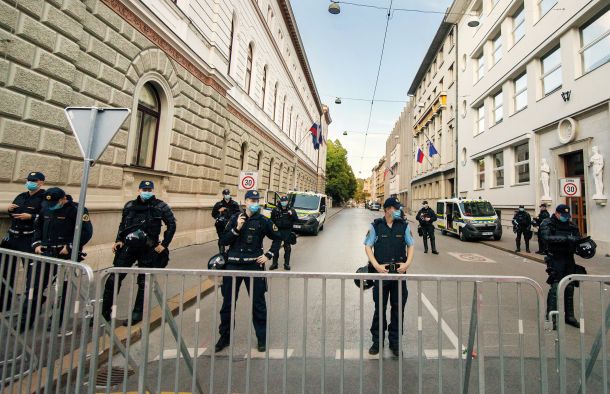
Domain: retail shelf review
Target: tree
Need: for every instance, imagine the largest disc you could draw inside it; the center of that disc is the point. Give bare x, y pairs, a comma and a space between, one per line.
361, 195
341, 183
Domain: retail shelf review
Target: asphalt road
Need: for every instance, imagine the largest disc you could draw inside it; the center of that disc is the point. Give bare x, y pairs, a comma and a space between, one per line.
313, 344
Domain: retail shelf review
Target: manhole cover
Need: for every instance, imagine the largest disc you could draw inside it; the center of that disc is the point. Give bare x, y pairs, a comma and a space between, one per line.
117, 375
471, 257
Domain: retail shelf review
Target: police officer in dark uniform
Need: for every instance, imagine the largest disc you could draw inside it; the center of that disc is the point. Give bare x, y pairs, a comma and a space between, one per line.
244, 236
542, 216
283, 217
138, 240
23, 212
426, 217
522, 225
223, 211
389, 248
560, 237
53, 236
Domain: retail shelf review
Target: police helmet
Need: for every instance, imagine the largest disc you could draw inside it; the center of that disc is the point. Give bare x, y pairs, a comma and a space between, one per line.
367, 282
136, 239
216, 262
586, 248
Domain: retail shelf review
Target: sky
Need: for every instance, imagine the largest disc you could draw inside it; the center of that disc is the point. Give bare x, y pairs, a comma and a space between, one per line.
344, 50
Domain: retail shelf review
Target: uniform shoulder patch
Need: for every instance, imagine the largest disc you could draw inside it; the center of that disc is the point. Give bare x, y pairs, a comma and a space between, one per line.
86, 217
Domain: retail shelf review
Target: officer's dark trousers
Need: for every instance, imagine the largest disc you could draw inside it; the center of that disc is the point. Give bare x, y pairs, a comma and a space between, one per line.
525, 238
428, 232
541, 247
259, 305
125, 258
287, 251
9, 267
389, 291
221, 247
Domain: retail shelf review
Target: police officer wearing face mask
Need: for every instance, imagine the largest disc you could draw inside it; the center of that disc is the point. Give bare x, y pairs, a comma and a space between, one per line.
223, 211
283, 217
23, 211
542, 216
522, 225
560, 237
138, 241
389, 248
426, 217
244, 236
53, 236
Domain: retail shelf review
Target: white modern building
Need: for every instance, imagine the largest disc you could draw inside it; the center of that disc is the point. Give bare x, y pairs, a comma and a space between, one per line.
534, 86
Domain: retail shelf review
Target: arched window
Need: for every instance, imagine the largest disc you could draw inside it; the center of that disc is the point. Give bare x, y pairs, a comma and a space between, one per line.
284, 113
270, 178
147, 129
259, 161
274, 100
296, 129
289, 121
231, 43
264, 88
242, 157
248, 81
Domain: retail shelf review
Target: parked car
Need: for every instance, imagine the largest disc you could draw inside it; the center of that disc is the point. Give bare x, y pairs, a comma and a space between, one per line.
375, 206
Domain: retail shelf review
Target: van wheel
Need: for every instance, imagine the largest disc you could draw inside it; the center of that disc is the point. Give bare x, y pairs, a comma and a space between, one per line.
497, 237
443, 232
321, 227
463, 236
316, 231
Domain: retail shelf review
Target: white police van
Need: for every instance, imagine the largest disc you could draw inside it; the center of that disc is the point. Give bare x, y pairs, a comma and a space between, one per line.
310, 207
468, 218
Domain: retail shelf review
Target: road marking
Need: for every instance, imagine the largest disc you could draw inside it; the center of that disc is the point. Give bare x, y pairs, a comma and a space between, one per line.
432, 354
471, 257
274, 354
354, 354
169, 354
446, 329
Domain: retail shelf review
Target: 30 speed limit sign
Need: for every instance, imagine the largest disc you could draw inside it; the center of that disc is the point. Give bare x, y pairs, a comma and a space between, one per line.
569, 187
248, 180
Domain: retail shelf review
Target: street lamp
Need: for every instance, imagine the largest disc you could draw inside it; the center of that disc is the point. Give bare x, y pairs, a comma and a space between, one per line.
338, 100
334, 8
473, 22
345, 133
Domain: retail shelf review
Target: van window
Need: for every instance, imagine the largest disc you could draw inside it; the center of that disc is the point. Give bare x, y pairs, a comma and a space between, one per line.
440, 208
477, 208
306, 202
456, 212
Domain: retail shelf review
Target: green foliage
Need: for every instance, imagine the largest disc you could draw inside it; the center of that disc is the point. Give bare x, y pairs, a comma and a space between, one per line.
341, 183
360, 195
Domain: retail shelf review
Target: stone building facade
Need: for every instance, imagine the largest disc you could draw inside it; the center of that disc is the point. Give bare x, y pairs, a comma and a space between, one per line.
400, 153
209, 98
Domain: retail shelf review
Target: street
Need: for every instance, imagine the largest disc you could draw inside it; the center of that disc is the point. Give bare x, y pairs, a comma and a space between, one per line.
331, 341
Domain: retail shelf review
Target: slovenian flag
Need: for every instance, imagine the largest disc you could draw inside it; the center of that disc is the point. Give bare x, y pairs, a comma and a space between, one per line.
320, 138
432, 149
314, 135
420, 156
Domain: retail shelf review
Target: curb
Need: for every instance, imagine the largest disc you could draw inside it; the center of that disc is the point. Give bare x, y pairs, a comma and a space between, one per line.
524, 255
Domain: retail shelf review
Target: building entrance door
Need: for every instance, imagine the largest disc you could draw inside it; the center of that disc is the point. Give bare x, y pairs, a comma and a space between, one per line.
575, 168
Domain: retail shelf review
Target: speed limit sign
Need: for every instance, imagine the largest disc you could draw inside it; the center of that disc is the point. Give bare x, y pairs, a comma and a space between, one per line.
248, 180
569, 187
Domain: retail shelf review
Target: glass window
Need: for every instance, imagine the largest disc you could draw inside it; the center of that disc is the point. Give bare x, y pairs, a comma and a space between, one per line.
264, 87
480, 119
284, 114
147, 128
497, 48
498, 107
522, 163
481, 173
249, 69
520, 98
480, 66
231, 44
477, 208
274, 99
518, 24
595, 38
498, 161
305, 202
551, 71
545, 6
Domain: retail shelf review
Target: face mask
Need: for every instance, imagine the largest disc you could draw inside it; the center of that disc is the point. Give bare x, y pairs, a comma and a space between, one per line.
284, 203
563, 219
55, 207
146, 195
31, 186
396, 214
254, 207
521, 209
426, 206
227, 197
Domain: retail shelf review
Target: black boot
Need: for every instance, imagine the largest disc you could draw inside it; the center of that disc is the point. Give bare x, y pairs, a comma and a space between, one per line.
273, 266
568, 304
551, 303
433, 245
286, 263
222, 343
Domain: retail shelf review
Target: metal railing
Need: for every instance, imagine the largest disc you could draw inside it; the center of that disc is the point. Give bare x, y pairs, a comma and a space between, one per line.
499, 345
579, 371
43, 322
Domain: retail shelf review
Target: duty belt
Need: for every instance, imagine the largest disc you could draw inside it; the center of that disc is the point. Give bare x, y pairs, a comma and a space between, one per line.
243, 259
17, 232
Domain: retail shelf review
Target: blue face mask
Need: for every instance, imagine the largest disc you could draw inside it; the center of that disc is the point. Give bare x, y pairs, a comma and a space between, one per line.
396, 214
521, 209
254, 207
227, 197
564, 219
146, 195
55, 207
31, 186
284, 203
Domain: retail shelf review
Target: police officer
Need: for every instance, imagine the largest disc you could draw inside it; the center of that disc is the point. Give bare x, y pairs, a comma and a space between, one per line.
389, 248
542, 216
53, 236
223, 211
244, 236
283, 217
560, 237
522, 225
426, 217
138, 240
23, 212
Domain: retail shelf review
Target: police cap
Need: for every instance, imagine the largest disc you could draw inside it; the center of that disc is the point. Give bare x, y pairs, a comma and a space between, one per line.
284, 198
226, 192
391, 202
253, 195
35, 176
146, 185
563, 209
54, 194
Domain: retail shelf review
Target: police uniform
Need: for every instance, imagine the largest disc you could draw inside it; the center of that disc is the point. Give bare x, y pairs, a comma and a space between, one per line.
245, 246
427, 226
20, 234
139, 232
522, 225
388, 245
284, 218
231, 207
560, 239
54, 233
542, 216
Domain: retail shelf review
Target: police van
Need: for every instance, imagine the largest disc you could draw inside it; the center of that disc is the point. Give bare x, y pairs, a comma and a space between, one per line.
468, 218
310, 207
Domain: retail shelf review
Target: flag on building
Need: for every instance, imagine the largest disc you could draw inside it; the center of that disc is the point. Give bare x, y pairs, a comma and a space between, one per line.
320, 138
314, 135
420, 155
432, 149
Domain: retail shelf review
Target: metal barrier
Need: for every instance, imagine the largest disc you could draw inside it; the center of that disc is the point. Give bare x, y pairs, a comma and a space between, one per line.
588, 377
316, 335
41, 346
